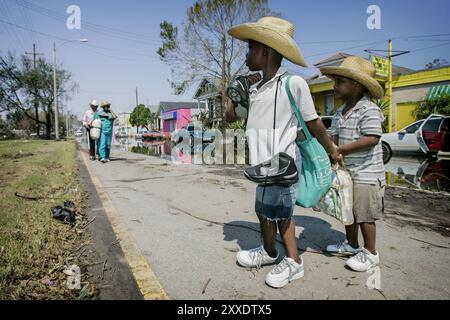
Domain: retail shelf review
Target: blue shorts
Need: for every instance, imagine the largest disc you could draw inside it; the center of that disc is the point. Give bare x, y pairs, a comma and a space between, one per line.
278, 202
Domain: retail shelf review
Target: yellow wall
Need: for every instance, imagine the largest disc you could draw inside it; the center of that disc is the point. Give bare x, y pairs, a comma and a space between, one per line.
404, 116
319, 101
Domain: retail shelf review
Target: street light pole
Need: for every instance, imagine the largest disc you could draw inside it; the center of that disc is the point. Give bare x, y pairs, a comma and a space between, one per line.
55, 90
55, 94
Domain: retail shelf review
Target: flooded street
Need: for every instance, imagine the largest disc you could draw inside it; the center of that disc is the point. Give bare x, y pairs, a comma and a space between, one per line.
419, 173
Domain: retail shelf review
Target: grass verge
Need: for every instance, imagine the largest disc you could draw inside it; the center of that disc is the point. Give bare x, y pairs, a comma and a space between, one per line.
35, 248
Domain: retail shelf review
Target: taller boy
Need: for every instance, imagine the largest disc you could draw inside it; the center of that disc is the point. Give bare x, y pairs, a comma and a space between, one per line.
269, 41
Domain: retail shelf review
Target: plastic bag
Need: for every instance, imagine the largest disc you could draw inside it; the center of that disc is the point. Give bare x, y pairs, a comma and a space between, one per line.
338, 201
95, 129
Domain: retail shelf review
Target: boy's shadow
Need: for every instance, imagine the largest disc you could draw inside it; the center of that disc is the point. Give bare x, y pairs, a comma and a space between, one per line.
316, 234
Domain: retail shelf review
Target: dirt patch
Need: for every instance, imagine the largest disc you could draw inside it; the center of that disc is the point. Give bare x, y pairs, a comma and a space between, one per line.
422, 211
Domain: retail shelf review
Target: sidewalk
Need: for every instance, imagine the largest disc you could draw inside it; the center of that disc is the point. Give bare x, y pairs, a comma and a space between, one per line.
189, 222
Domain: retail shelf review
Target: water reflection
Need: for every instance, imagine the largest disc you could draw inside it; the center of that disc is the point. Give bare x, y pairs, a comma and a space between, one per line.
414, 172
419, 173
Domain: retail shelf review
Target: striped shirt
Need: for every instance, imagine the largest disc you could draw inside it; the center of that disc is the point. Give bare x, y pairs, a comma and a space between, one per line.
364, 119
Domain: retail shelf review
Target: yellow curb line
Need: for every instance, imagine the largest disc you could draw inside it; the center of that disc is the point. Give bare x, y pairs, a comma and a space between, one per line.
146, 280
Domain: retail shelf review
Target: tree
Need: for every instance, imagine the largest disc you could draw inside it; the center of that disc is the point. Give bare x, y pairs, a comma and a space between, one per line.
21, 85
383, 104
439, 104
205, 49
437, 63
141, 117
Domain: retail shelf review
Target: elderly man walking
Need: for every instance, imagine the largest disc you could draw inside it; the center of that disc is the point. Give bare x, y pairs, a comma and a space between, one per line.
87, 122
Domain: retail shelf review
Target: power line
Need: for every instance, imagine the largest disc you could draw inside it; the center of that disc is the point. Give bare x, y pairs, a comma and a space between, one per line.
379, 39
26, 22
344, 49
431, 47
104, 30
87, 45
12, 31
108, 92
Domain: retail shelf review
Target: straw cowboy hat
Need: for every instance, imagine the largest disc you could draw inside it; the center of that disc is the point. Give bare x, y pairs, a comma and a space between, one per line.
360, 70
105, 103
275, 33
94, 103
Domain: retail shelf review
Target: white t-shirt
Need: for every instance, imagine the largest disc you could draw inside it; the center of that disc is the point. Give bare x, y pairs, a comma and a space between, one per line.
259, 129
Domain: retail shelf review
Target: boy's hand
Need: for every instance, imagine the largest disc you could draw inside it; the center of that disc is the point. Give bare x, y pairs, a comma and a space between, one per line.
337, 156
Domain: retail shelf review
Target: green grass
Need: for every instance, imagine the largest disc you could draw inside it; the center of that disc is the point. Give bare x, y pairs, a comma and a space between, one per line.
32, 243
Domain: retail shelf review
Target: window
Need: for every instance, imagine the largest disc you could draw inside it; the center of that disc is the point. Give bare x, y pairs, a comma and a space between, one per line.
328, 104
414, 127
432, 125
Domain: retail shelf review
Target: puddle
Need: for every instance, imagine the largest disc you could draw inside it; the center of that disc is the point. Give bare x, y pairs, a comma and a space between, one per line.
419, 173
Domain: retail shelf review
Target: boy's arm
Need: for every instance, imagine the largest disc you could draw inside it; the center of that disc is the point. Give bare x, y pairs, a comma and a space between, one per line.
319, 131
371, 131
361, 144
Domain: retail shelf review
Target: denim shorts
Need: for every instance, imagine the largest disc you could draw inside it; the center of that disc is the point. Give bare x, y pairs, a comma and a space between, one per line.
276, 202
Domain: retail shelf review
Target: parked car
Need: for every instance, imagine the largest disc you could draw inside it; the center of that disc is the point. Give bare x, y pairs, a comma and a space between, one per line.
193, 133
141, 133
327, 120
425, 137
152, 135
403, 141
434, 135
79, 133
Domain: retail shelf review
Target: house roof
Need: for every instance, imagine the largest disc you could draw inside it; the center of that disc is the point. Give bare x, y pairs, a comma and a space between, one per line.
166, 106
208, 87
335, 58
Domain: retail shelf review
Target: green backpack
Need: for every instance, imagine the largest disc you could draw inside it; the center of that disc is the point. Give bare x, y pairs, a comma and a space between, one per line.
316, 176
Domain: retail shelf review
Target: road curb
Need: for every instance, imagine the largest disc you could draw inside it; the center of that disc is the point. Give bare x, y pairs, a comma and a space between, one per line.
146, 279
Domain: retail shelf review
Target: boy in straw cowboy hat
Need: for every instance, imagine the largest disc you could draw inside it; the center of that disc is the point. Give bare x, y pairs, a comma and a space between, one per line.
357, 129
269, 41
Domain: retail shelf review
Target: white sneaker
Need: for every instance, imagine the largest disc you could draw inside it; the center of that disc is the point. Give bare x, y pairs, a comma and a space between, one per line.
103, 160
363, 261
343, 248
255, 258
286, 271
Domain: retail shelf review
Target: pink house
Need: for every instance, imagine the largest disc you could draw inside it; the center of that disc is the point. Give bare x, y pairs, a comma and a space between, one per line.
176, 115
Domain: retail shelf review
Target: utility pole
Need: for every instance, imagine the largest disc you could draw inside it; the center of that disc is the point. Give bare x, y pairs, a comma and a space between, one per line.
389, 89
224, 84
223, 100
55, 95
137, 106
67, 123
389, 84
36, 106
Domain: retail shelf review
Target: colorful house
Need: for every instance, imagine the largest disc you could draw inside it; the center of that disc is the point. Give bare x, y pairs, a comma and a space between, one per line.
176, 115
409, 88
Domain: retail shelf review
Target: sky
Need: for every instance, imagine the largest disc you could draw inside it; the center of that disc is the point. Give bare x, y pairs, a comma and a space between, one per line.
111, 65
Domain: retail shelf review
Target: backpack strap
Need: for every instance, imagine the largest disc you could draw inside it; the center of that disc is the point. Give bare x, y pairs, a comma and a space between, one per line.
297, 112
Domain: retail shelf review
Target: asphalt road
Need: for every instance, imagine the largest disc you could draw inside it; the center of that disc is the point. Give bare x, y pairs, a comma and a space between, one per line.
189, 221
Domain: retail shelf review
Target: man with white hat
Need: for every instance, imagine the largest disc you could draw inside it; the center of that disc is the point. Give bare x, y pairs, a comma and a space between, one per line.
269, 41
87, 120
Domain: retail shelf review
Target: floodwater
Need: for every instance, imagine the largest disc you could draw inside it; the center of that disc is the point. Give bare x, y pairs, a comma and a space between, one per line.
414, 172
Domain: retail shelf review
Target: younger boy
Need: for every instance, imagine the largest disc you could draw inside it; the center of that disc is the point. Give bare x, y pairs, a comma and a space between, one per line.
356, 129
